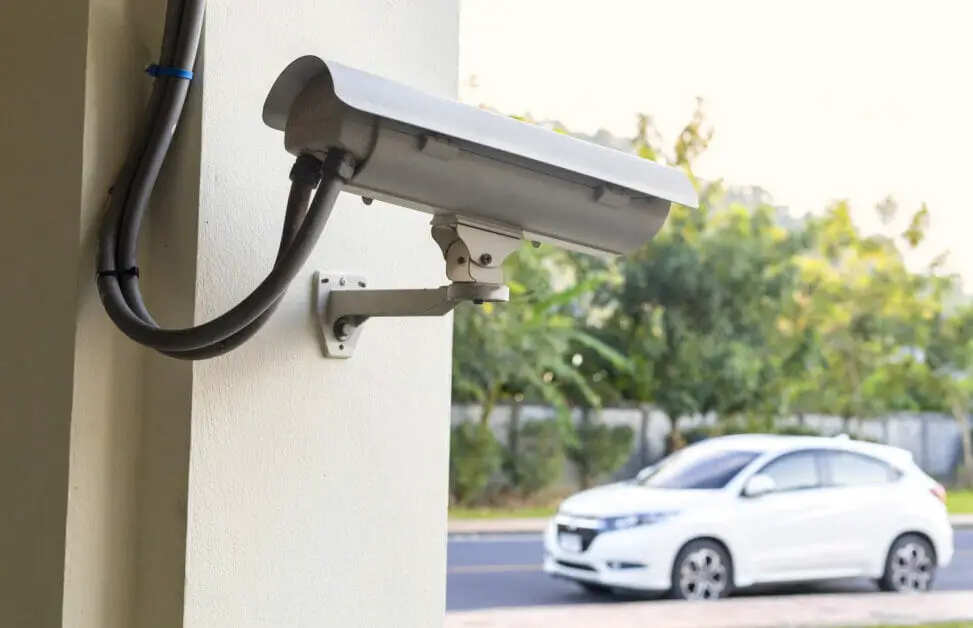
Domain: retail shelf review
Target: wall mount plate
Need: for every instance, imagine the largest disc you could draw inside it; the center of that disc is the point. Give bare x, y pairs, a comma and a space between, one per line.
325, 283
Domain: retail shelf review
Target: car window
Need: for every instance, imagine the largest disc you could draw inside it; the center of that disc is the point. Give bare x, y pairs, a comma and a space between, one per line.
851, 469
794, 471
701, 469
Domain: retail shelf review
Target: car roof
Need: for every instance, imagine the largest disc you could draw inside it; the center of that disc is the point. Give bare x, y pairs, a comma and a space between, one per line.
771, 443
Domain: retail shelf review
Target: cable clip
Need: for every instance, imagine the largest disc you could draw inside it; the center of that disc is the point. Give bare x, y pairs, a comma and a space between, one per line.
157, 71
118, 274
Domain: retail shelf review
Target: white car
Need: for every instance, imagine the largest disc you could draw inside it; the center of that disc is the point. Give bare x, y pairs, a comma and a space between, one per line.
735, 511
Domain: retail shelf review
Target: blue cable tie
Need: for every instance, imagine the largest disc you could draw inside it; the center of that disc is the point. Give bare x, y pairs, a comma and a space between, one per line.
155, 70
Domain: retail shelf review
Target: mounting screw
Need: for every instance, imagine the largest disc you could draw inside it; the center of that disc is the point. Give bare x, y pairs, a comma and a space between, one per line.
366, 200
535, 244
342, 281
485, 259
461, 260
343, 329
361, 284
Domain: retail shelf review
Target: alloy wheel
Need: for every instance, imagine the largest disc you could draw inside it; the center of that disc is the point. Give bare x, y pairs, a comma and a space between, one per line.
911, 568
702, 575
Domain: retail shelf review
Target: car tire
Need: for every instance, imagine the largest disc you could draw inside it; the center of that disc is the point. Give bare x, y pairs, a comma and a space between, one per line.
596, 589
702, 571
910, 566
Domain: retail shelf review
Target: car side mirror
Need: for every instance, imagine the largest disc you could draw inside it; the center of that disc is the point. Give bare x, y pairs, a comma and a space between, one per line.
644, 473
759, 485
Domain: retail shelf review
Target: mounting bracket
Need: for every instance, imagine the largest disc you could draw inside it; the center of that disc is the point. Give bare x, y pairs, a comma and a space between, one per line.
474, 252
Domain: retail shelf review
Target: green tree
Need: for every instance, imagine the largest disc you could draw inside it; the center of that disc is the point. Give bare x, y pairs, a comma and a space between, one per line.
524, 348
868, 314
703, 306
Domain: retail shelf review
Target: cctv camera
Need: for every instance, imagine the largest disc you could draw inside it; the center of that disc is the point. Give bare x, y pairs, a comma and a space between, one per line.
489, 181
440, 156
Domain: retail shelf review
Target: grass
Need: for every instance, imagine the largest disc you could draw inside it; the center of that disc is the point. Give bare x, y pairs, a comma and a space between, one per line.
960, 502
525, 512
949, 624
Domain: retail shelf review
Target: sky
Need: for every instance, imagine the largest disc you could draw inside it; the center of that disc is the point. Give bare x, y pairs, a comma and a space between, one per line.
813, 101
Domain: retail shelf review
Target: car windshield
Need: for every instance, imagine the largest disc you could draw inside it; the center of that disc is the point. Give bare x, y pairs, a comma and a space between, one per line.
697, 468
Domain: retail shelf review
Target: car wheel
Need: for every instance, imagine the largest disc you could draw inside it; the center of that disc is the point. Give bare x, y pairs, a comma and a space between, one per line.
702, 571
596, 589
910, 566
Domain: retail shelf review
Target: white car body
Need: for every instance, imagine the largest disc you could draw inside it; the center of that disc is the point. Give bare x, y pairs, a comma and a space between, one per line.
814, 533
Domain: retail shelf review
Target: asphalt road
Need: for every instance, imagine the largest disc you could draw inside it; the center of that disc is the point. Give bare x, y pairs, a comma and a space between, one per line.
505, 571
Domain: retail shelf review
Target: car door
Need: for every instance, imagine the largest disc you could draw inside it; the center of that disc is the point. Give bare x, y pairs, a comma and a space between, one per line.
787, 533
864, 487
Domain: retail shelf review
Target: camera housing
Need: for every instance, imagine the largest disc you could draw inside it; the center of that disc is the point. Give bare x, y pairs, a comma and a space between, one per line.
488, 180
441, 156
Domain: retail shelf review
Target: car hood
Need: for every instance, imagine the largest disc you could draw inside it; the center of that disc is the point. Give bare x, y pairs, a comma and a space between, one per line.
626, 499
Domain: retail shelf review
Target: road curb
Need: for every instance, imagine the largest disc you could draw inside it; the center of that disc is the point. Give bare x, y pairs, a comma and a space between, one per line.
514, 527
462, 527
865, 609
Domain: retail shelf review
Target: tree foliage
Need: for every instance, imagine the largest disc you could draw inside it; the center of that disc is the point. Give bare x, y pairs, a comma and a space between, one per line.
526, 348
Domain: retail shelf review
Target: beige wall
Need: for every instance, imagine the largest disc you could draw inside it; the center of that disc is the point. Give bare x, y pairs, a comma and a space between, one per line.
42, 171
267, 488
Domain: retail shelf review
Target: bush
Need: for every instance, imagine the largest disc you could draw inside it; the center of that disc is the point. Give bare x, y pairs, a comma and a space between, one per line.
736, 427
474, 458
535, 458
600, 450
699, 433
798, 430
696, 434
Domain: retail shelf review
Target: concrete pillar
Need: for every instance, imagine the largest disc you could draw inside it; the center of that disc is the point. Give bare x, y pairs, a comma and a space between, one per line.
269, 487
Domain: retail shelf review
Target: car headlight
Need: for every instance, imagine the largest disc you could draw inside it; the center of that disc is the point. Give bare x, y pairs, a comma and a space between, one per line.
642, 519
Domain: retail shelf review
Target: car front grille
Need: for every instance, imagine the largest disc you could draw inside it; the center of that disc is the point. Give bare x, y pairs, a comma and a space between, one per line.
587, 534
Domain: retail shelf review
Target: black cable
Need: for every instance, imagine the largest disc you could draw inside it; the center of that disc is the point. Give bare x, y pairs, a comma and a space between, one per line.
302, 186
305, 176
220, 335
117, 270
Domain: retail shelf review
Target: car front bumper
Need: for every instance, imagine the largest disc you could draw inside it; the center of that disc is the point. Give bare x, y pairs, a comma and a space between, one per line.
623, 559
